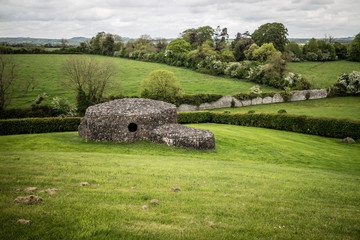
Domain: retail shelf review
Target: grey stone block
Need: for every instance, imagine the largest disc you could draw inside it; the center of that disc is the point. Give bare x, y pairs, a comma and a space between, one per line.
267, 100
256, 101
183, 136
132, 119
277, 98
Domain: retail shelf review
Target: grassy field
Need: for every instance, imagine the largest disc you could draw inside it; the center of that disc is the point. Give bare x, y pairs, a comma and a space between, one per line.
46, 69
257, 184
340, 107
324, 74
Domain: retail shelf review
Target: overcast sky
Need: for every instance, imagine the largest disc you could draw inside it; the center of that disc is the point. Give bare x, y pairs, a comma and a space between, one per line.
85, 18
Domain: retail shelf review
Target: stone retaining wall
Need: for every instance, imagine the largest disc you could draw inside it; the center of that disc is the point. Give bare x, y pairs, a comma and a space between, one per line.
225, 101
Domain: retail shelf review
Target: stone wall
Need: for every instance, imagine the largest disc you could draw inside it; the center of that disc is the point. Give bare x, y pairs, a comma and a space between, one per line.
225, 102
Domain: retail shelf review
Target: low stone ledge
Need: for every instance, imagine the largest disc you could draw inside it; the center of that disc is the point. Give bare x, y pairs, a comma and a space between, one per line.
225, 101
187, 108
183, 136
318, 93
277, 98
267, 100
256, 101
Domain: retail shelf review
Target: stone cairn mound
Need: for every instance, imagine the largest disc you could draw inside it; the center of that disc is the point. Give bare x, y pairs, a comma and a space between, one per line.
133, 119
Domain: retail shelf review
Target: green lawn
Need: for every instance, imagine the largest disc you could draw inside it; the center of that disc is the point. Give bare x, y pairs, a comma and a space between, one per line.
340, 107
324, 74
257, 184
46, 69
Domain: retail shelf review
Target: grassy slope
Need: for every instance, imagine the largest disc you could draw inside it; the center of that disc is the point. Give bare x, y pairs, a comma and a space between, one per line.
46, 69
324, 74
255, 181
340, 107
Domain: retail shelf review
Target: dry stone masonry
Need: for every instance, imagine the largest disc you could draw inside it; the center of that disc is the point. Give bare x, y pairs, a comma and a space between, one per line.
132, 119
225, 101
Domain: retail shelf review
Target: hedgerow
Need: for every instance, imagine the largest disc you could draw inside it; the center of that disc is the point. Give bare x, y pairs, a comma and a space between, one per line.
38, 125
328, 127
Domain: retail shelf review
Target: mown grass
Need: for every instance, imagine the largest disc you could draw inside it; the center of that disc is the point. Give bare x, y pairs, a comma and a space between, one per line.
257, 184
46, 69
324, 74
340, 107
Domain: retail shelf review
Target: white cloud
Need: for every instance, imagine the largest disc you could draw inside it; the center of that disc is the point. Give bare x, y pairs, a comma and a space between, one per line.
69, 18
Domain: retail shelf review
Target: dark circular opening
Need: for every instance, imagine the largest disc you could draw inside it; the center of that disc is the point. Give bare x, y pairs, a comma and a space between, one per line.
132, 127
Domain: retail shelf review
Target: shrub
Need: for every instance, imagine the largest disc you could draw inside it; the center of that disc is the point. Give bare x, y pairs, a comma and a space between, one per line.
296, 81
287, 94
351, 82
232, 103
251, 111
249, 52
38, 125
40, 98
329, 127
282, 111
194, 117
354, 49
34, 111
263, 53
311, 56
294, 51
255, 90
63, 107
197, 99
239, 70
161, 85
178, 45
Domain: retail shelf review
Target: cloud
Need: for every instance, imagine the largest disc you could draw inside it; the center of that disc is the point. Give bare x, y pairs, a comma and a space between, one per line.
69, 18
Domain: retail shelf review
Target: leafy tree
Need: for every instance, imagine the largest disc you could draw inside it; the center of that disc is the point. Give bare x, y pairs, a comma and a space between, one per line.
202, 52
226, 55
249, 52
107, 44
161, 44
294, 50
264, 52
161, 85
276, 69
275, 33
95, 43
204, 34
241, 43
178, 45
220, 38
190, 36
64, 43
88, 78
319, 50
196, 37
340, 50
312, 45
354, 49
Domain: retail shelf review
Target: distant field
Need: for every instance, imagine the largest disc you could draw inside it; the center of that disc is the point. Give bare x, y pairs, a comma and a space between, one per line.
340, 107
257, 184
324, 74
46, 70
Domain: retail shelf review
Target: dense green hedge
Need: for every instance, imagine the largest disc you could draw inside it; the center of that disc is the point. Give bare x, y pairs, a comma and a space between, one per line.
328, 127
38, 125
